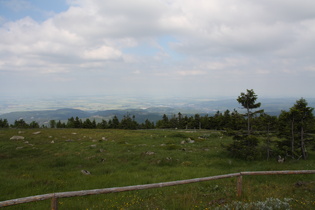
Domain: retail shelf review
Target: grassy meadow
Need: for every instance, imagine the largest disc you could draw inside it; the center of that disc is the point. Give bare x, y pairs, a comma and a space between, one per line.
52, 160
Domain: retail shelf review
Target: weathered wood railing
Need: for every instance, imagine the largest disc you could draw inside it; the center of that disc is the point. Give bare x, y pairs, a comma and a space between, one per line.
54, 196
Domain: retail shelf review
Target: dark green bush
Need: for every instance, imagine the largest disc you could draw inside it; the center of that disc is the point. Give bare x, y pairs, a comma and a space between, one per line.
244, 147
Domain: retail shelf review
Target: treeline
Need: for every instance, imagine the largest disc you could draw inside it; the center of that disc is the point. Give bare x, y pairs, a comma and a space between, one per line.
18, 124
126, 123
220, 121
227, 120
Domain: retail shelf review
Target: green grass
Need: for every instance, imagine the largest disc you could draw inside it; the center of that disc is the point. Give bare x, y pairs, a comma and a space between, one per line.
35, 166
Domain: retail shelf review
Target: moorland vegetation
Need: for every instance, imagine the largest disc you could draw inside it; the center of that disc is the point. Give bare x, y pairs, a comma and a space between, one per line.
50, 160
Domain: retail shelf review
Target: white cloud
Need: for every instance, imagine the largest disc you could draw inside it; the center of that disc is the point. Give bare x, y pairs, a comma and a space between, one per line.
222, 39
102, 53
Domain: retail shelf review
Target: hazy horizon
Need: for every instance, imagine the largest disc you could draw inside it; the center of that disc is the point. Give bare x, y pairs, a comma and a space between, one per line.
109, 102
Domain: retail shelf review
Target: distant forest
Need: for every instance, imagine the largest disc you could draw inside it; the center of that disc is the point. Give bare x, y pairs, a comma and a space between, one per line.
227, 120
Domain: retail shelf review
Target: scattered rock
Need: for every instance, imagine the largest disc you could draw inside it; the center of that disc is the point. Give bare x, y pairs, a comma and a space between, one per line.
37, 132
69, 140
104, 139
85, 172
74, 133
101, 150
300, 184
17, 138
21, 132
149, 153
19, 148
189, 140
94, 140
163, 145
93, 145
280, 159
26, 142
52, 141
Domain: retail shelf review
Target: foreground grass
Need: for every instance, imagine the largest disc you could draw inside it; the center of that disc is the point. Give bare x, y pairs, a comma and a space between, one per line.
52, 160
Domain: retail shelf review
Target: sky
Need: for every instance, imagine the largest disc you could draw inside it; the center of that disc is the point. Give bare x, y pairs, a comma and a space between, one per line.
171, 48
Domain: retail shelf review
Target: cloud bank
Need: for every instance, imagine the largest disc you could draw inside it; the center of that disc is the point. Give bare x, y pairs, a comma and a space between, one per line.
161, 47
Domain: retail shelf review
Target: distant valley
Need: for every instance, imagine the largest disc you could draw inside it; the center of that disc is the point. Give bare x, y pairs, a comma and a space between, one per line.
142, 109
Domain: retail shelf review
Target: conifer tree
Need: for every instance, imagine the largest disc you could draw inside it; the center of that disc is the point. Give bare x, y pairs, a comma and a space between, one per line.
248, 101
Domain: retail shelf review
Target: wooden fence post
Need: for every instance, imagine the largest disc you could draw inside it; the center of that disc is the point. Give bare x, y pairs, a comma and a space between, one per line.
239, 185
54, 203
54, 196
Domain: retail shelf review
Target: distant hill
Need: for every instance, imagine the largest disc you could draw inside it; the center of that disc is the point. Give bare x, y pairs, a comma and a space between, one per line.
271, 106
44, 115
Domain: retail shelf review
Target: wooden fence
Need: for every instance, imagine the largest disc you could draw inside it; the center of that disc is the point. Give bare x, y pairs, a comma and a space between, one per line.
54, 196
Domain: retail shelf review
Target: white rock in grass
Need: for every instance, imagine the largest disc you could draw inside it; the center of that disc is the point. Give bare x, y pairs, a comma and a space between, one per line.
37, 132
189, 140
17, 138
85, 172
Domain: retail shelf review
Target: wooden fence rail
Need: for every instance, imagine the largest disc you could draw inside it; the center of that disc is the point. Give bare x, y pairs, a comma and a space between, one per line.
54, 196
